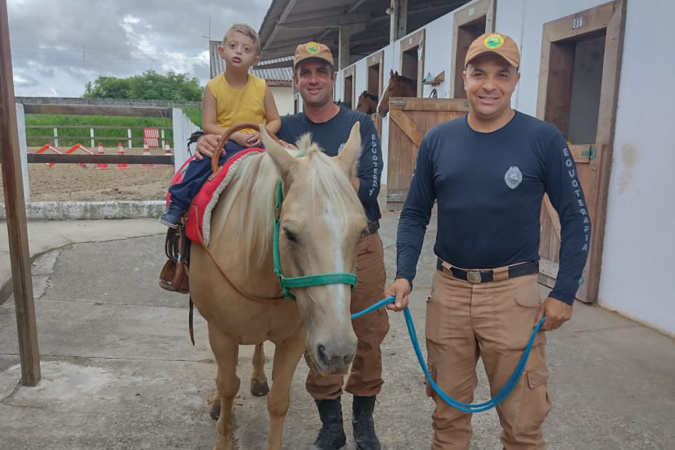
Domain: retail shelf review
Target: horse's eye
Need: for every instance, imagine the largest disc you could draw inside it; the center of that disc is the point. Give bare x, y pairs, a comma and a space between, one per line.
290, 235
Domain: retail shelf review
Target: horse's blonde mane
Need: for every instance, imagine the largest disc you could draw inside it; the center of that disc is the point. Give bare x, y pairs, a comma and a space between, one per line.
255, 184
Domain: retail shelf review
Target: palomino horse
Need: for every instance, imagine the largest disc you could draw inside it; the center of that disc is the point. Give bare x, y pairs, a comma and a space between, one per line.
367, 103
233, 281
398, 86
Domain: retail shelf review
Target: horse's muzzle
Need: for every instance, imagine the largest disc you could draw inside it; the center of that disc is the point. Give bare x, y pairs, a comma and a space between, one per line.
332, 358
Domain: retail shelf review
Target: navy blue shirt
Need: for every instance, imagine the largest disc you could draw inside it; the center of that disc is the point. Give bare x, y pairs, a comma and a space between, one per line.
489, 188
331, 136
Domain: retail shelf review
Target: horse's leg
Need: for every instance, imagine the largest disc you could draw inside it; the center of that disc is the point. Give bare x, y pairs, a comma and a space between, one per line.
226, 351
215, 403
259, 385
286, 357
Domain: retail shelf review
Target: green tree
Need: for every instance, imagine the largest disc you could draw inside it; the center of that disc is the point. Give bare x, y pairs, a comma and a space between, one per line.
107, 87
148, 86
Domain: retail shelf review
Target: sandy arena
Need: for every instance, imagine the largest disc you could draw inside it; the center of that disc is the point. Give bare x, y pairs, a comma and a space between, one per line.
70, 182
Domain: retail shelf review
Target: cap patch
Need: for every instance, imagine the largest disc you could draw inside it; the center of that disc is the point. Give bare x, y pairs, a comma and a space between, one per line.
312, 48
493, 41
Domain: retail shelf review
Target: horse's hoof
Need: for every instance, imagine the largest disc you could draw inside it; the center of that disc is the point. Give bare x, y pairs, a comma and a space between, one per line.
259, 388
215, 409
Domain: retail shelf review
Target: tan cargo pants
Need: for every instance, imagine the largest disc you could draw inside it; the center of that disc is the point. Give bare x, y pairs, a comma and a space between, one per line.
365, 378
493, 321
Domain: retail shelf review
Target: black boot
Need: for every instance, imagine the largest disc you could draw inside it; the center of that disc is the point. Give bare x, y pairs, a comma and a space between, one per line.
362, 421
332, 434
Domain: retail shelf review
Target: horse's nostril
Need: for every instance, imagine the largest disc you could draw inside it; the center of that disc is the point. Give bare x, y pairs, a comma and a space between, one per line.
321, 353
348, 359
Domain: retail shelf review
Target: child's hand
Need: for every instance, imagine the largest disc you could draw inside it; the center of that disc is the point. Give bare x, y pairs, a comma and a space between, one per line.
240, 138
253, 139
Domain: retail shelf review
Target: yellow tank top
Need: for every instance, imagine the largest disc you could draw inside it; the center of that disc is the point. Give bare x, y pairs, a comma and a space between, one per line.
238, 105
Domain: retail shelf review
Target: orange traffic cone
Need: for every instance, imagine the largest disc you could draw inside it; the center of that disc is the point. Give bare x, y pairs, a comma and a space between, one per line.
146, 152
120, 151
101, 166
167, 149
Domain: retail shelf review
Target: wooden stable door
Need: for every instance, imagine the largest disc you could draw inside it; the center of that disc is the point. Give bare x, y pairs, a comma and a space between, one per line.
578, 91
409, 119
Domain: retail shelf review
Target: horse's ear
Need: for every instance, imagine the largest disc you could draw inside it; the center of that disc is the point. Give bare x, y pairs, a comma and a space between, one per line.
283, 160
351, 151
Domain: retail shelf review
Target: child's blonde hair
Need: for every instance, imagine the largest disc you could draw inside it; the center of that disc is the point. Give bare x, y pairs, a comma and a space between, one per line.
247, 31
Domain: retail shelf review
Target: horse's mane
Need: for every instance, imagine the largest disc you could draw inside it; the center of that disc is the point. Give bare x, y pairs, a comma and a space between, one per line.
369, 95
255, 183
407, 80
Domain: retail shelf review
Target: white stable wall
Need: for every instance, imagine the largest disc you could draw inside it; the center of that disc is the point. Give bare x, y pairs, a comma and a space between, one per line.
639, 243
283, 97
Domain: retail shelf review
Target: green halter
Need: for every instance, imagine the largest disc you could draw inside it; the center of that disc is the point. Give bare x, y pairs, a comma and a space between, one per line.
308, 280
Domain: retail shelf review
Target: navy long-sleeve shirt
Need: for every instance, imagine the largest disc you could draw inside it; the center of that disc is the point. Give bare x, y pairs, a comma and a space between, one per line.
489, 188
331, 136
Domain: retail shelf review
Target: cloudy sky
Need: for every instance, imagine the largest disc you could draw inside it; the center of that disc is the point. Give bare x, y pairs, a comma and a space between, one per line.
58, 46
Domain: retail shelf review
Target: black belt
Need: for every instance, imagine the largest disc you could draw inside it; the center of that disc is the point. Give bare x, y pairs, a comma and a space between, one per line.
484, 276
372, 228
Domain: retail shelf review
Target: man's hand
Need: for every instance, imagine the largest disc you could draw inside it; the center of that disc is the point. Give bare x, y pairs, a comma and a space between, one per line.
206, 145
556, 312
400, 289
287, 145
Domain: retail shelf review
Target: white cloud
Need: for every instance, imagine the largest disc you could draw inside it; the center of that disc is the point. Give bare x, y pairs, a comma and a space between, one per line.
57, 47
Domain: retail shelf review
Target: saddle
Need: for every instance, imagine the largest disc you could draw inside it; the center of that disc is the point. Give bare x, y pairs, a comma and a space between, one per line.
195, 225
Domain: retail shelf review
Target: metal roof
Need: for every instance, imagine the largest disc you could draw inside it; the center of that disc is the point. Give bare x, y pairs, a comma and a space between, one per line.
292, 22
272, 71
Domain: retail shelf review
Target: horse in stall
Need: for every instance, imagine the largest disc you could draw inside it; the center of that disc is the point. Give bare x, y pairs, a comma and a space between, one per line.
398, 86
234, 281
367, 103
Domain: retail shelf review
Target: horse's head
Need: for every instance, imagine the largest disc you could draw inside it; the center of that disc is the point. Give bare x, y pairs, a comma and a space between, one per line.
398, 86
367, 103
321, 221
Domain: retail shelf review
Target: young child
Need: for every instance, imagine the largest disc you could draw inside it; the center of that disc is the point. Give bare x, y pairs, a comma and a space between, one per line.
232, 97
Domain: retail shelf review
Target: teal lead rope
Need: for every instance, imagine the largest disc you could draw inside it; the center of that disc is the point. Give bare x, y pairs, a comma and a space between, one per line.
465, 407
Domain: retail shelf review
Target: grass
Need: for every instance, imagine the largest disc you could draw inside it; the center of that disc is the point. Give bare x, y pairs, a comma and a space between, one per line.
69, 136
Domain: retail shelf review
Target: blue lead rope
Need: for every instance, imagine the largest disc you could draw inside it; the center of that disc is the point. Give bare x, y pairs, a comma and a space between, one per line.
465, 407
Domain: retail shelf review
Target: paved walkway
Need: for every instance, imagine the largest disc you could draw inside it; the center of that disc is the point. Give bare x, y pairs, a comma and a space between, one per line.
119, 372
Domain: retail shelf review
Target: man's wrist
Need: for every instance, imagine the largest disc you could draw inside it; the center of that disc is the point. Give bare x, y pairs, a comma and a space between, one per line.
403, 277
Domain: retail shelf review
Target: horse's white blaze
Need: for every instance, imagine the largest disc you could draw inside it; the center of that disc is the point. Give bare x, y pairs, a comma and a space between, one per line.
336, 237
379, 102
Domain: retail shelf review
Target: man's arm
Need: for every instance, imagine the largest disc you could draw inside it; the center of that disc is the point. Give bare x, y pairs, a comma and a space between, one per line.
369, 174
567, 197
412, 225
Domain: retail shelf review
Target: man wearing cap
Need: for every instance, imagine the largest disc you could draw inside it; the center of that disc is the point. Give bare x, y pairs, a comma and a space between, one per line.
314, 76
488, 172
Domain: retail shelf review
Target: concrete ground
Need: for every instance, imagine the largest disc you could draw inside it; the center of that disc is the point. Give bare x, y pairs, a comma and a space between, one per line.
119, 371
